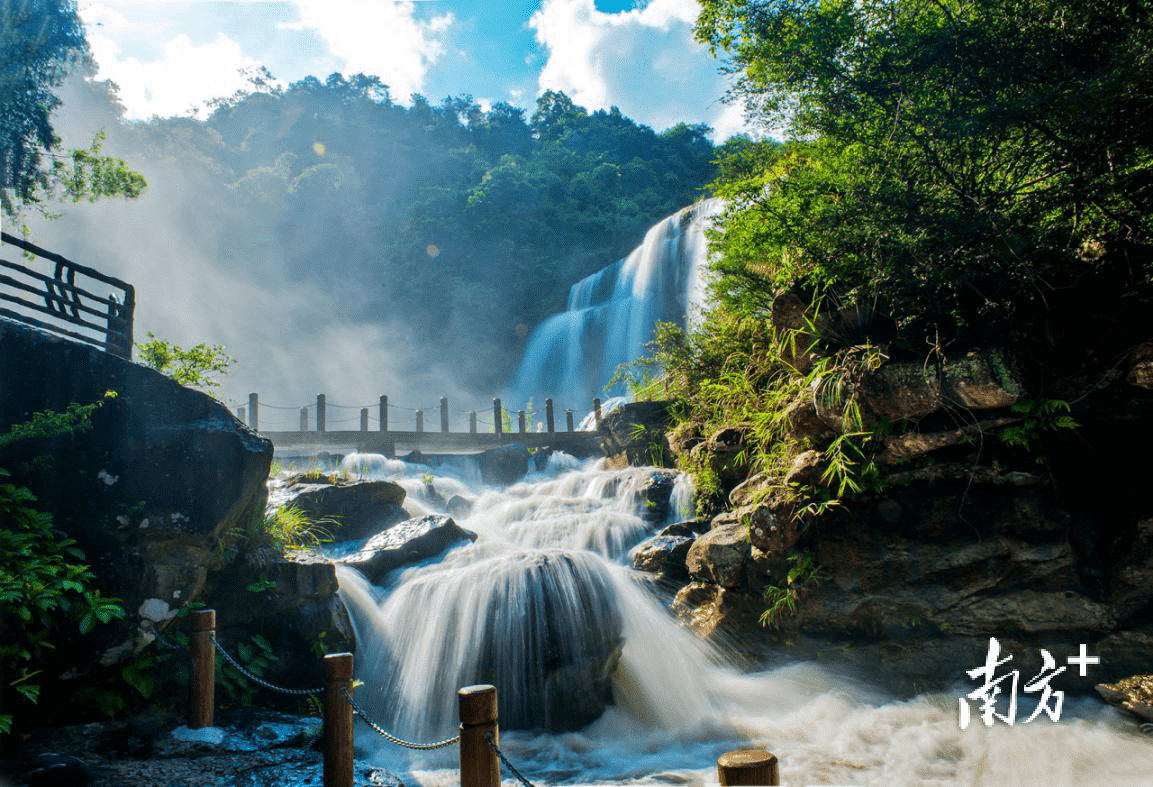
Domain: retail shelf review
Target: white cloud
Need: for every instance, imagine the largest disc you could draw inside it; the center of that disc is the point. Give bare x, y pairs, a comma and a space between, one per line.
643, 60
186, 77
381, 38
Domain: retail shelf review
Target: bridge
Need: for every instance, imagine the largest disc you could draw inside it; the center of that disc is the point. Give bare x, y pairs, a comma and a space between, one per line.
390, 442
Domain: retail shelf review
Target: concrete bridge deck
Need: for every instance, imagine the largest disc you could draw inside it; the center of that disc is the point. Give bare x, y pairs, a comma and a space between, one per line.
390, 443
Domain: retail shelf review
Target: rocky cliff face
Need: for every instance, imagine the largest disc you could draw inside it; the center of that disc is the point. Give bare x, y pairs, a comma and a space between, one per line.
963, 537
154, 492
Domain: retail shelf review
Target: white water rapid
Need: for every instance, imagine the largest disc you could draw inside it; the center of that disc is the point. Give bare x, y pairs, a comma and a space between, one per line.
545, 589
611, 314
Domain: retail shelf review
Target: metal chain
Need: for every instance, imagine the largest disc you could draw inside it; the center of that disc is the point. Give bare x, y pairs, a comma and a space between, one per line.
492, 745
258, 681
388, 736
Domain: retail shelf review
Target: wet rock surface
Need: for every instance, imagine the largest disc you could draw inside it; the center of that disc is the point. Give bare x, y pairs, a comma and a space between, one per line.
406, 544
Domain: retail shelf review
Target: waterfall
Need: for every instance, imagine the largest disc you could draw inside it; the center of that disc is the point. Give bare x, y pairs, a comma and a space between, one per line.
610, 315
544, 606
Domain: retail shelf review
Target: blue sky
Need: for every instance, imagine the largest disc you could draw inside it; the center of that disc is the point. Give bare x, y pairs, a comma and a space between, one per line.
171, 56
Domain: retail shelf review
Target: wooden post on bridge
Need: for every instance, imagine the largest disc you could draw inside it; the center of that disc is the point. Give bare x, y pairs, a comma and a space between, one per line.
550, 424
241, 413
304, 419
202, 680
384, 413
597, 413
479, 766
337, 721
254, 411
497, 417
364, 419
520, 420
748, 767
472, 422
568, 419
444, 414
420, 420
321, 415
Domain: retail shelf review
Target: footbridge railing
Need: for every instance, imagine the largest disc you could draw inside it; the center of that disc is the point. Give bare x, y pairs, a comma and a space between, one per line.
54, 294
373, 428
478, 737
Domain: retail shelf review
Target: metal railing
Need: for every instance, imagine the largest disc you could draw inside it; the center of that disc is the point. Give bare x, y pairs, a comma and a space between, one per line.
61, 297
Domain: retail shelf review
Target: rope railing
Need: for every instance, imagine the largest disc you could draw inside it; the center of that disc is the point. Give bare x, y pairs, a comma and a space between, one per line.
480, 754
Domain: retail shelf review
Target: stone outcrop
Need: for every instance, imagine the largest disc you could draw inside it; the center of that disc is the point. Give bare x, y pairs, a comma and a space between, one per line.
634, 434
406, 544
356, 509
152, 493
504, 465
1134, 694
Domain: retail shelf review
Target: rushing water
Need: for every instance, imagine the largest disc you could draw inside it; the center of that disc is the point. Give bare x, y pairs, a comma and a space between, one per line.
548, 571
610, 315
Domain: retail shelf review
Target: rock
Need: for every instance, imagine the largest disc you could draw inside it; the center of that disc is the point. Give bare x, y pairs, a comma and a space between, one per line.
504, 465
804, 422
1131, 580
750, 489
459, 506
655, 495
359, 508
725, 452
1134, 694
151, 492
806, 469
664, 556
790, 313
771, 525
1141, 367
899, 391
634, 435
719, 555
982, 380
407, 544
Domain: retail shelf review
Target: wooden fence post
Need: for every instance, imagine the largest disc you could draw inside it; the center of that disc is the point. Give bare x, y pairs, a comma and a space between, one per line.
384, 413
444, 414
337, 720
748, 767
202, 681
472, 422
497, 417
597, 413
568, 419
364, 419
479, 766
242, 414
321, 415
304, 419
520, 420
550, 423
254, 411
420, 420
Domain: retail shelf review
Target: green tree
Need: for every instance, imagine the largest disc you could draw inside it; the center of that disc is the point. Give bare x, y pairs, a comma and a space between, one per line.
195, 366
960, 162
41, 41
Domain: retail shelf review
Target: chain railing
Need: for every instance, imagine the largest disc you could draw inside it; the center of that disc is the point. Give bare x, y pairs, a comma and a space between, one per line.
480, 755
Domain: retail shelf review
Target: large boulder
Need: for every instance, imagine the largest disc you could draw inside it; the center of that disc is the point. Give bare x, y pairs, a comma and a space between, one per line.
356, 509
635, 434
504, 465
719, 555
406, 544
151, 492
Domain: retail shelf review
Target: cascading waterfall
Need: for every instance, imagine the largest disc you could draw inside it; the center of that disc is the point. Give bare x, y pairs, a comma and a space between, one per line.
543, 603
610, 315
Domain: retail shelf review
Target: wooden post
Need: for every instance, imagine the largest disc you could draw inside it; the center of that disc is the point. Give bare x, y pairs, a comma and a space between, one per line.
472, 422
497, 417
597, 413
384, 413
479, 766
337, 720
364, 419
520, 421
321, 416
568, 419
241, 413
748, 767
202, 681
420, 420
304, 419
254, 411
444, 414
550, 424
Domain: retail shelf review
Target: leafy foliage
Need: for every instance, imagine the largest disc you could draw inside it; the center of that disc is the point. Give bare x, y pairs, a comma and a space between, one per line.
44, 583
194, 366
